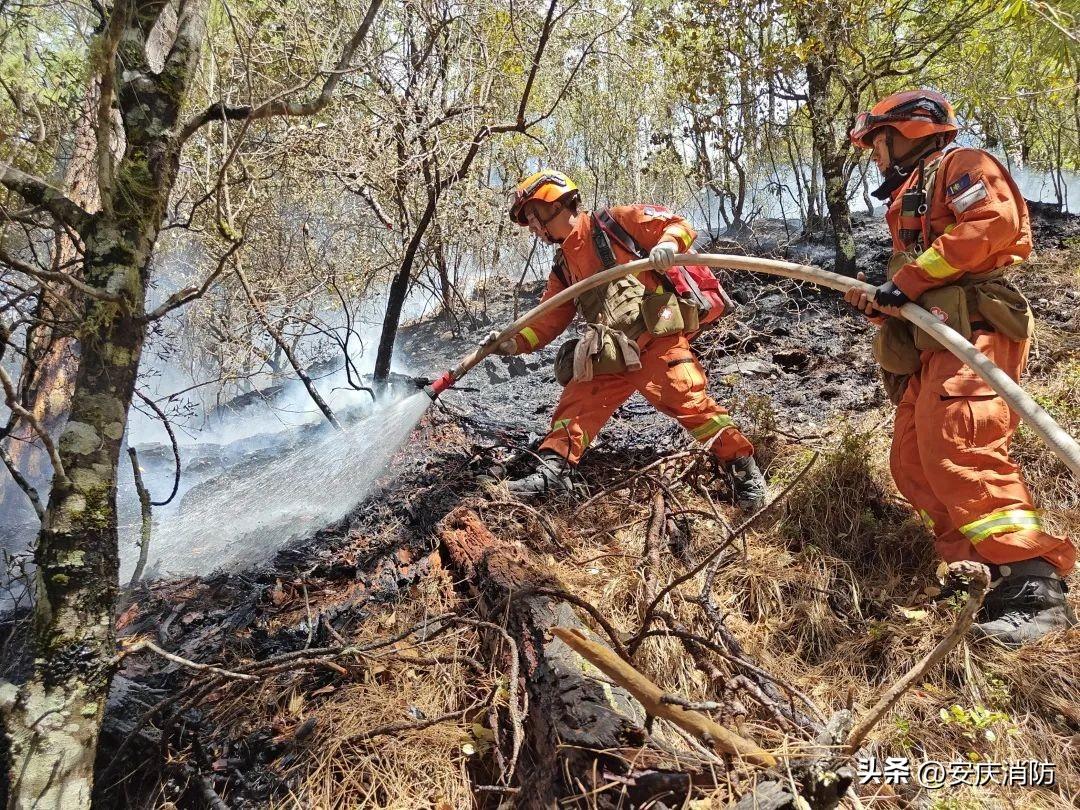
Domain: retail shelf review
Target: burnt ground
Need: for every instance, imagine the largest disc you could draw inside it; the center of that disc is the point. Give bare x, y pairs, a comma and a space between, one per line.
789, 360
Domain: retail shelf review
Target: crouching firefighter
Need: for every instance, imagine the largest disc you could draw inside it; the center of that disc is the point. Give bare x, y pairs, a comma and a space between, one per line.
958, 223
636, 335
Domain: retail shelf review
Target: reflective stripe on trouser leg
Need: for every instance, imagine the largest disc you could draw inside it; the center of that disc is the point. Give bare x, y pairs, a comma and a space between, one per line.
564, 424
672, 380
583, 409
711, 427
1008, 520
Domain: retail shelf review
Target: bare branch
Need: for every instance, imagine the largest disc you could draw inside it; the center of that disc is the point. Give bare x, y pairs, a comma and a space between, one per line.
219, 111
16, 407
189, 294
38, 192
289, 354
172, 440
50, 275
23, 484
144, 508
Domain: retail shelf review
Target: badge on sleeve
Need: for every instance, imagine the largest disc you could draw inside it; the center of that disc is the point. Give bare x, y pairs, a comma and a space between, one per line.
961, 184
655, 211
967, 198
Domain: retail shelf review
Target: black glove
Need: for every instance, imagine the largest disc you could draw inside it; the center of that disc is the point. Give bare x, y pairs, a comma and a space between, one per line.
889, 295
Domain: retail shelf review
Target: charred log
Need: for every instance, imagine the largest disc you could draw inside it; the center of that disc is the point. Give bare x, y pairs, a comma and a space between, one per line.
577, 726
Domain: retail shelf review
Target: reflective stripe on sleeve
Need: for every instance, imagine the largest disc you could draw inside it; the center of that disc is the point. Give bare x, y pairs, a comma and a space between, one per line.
712, 427
1010, 520
530, 336
680, 235
928, 521
935, 265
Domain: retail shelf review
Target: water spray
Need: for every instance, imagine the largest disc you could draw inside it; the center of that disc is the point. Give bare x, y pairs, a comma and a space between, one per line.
1041, 423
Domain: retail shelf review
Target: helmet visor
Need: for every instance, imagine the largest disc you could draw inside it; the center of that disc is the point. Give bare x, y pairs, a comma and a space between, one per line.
523, 195
919, 108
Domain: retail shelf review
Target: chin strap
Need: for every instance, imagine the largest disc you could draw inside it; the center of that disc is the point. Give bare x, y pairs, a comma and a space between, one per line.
893, 178
901, 167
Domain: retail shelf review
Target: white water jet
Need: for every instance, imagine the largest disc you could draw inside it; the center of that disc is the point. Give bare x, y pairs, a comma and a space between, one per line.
245, 515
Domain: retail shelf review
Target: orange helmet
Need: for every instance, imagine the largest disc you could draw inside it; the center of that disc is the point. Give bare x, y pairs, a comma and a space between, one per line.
914, 113
547, 186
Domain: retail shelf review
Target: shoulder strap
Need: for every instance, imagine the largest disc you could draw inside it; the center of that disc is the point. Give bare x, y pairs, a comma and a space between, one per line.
602, 245
558, 267
619, 234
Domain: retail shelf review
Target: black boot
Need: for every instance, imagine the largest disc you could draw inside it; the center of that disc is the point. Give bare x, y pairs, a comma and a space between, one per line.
747, 483
1025, 604
552, 477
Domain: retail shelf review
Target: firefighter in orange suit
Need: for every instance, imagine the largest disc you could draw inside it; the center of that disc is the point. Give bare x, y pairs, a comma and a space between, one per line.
958, 221
623, 349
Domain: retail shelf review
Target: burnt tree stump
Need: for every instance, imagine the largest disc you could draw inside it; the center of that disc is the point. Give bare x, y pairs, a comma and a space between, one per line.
576, 725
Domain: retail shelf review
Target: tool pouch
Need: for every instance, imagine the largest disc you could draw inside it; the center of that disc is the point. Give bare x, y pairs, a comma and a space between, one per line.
663, 314
894, 348
601, 350
1006, 309
617, 305
950, 306
564, 362
691, 316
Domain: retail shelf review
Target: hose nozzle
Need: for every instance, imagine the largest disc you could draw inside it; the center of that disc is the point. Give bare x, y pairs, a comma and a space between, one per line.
436, 387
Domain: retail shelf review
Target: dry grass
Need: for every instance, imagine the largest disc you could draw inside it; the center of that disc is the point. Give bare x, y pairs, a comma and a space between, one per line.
395, 771
830, 597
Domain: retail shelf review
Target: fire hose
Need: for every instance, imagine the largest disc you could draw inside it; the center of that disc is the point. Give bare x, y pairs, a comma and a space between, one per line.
1041, 423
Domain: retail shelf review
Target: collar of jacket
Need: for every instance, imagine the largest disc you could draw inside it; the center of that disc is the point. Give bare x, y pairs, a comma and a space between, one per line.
579, 235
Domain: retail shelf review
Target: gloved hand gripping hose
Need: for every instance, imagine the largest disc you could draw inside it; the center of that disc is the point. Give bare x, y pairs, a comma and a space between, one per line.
1041, 423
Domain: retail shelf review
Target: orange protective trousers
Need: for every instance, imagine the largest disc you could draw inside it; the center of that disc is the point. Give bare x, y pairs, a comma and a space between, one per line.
950, 459
670, 378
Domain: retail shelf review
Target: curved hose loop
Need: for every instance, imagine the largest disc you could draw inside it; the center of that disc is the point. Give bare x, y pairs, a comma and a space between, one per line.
1041, 423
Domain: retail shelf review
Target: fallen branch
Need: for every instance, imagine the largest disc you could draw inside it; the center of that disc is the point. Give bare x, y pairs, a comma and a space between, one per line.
979, 578
651, 697
415, 725
146, 644
650, 611
652, 546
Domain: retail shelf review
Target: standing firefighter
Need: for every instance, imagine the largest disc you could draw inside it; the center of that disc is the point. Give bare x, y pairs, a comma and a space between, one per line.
958, 221
636, 334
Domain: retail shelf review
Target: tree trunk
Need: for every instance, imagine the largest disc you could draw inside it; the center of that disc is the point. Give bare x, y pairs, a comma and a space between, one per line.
55, 351
399, 289
576, 726
53, 719
832, 151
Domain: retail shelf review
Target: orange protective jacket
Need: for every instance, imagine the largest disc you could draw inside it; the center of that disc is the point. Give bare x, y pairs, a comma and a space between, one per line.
647, 224
977, 221
950, 451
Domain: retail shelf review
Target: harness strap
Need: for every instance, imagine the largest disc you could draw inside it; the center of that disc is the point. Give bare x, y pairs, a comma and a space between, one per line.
558, 267
612, 227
